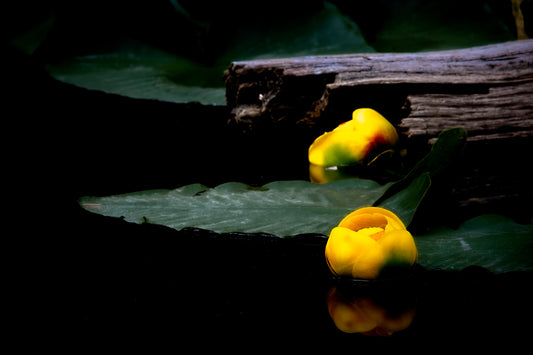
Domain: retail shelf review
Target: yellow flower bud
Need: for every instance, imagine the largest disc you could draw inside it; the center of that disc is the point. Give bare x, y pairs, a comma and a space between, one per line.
366, 241
354, 142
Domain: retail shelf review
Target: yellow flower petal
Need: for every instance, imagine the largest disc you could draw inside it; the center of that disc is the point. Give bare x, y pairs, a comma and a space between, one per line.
354, 254
372, 124
354, 219
364, 220
352, 142
400, 248
345, 145
366, 241
372, 232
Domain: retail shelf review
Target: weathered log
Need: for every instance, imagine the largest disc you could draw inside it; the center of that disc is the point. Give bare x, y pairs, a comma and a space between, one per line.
504, 111
487, 90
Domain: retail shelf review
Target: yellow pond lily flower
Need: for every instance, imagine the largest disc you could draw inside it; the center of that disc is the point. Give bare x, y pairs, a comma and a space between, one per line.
366, 241
354, 142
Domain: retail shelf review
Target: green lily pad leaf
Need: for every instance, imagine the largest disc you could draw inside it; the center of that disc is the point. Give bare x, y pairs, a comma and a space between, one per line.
281, 208
494, 242
143, 72
151, 68
406, 194
405, 202
287, 208
444, 152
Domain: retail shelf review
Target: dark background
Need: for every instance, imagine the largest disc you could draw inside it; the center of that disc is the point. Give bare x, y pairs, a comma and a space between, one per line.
82, 283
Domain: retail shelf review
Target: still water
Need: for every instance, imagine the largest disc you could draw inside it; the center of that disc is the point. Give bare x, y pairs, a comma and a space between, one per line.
266, 283
166, 289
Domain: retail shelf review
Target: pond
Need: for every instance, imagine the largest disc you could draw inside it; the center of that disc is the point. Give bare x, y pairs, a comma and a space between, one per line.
166, 289
241, 255
288, 208
243, 264
151, 223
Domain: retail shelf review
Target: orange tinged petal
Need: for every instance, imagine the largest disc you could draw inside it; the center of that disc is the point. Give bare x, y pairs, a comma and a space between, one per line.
355, 219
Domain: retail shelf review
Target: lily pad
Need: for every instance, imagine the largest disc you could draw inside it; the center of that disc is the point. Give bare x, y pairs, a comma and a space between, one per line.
281, 208
443, 154
140, 71
405, 202
491, 241
287, 208
138, 68
404, 196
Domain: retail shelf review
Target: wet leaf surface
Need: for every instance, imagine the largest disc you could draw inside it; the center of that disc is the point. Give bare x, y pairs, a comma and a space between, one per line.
288, 208
281, 208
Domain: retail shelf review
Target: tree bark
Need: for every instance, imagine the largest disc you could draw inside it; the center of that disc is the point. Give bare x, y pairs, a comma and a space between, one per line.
487, 90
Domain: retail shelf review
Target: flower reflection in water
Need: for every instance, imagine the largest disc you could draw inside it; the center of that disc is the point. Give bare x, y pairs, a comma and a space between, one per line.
370, 313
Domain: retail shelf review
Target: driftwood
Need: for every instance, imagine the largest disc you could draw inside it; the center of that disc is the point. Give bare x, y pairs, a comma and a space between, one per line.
488, 90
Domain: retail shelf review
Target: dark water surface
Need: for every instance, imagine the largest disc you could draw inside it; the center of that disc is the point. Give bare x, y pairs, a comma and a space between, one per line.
90, 284
146, 288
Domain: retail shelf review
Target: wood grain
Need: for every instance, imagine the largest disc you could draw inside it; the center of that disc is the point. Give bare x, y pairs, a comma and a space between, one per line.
487, 90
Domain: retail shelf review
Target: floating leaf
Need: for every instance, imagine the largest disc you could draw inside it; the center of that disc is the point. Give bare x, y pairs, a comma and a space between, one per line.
140, 71
494, 242
406, 201
286, 208
407, 193
281, 208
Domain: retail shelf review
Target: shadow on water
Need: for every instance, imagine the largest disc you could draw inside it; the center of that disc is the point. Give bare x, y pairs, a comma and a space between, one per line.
165, 289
